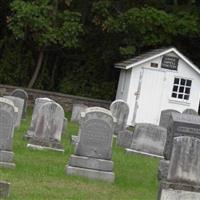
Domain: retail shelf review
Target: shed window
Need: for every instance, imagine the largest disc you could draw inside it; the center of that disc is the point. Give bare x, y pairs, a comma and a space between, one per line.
181, 88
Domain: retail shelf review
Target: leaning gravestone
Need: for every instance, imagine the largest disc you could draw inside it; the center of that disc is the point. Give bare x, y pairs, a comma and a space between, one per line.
165, 117
93, 152
4, 189
120, 111
23, 95
148, 139
183, 180
49, 128
190, 112
19, 103
38, 103
76, 111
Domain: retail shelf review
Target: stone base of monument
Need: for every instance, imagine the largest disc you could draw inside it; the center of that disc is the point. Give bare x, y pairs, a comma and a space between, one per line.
124, 138
163, 170
132, 151
4, 189
91, 168
6, 159
38, 143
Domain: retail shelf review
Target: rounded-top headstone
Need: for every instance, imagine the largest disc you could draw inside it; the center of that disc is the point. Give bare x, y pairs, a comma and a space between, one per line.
76, 111
120, 110
23, 95
190, 112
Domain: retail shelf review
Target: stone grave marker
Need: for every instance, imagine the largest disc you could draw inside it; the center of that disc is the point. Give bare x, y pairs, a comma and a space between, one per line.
49, 128
76, 111
165, 116
120, 111
124, 138
148, 139
4, 189
93, 152
38, 103
23, 95
190, 111
19, 103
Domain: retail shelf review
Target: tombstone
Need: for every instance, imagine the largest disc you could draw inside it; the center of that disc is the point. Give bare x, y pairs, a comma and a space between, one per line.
19, 103
6, 135
120, 111
181, 125
38, 103
65, 124
183, 179
190, 112
76, 111
4, 189
124, 138
148, 139
165, 116
93, 152
48, 128
23, 95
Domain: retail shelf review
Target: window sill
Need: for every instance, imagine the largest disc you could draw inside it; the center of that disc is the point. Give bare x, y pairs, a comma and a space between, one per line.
180, 102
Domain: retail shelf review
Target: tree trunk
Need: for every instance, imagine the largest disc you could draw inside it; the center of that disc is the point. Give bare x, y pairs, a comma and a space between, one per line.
37, 69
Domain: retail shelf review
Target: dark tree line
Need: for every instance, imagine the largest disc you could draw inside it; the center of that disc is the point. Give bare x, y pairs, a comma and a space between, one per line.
71, 46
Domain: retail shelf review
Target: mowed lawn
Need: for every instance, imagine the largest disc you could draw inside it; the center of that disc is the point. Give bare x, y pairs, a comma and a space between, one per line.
40, 175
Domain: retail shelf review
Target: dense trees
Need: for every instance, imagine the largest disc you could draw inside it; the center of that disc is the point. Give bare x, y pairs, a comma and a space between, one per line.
71, 45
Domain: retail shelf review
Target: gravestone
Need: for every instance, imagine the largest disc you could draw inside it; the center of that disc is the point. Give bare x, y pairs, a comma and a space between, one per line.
190, 111
120, 111
93, 152
19, 103
65, 124
76, 111
148, 139
49, 128
23, 95
183, 179
165, 116
4, 189
181, 125
124, 138
6, 135
38, 103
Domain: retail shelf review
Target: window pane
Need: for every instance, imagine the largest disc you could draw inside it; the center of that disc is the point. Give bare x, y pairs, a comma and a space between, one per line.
186, 97
175, 88
183, 81
174, 95
181, 89
187, 90
180, 96
176, 81
189, 83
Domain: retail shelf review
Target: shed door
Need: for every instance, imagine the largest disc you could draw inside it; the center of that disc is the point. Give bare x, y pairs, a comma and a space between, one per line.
150, 96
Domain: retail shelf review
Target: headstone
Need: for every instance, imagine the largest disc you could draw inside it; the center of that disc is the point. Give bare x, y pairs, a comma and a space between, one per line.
183, 179
76, 111
181, 125
49, 127
23, 95
165, 116
93, 152
65, 124
4, 189
120, 111
38, 103
190, 112
148, 139
6, 135
19, 103
124, 138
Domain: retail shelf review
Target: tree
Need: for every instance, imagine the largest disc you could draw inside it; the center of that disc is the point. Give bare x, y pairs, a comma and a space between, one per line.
44, 24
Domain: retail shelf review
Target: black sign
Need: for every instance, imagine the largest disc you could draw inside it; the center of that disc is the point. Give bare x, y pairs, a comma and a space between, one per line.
169, 62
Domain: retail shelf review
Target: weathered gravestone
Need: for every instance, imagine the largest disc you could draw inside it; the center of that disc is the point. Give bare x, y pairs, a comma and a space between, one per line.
76, 111
120, 111
38, 103
49, 128
4, 189
19, 103
190, 112
148, 139
125, 138
93, 152
6, 133
183, 179
23, 95
181, 125
165, 117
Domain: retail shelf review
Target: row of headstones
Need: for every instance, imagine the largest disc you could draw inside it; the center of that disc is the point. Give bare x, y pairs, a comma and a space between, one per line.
12, 110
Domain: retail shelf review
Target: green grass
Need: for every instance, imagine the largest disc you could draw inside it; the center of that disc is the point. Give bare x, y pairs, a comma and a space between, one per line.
40, 175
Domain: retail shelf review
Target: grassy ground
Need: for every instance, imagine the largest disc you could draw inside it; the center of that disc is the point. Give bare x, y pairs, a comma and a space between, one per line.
40, 175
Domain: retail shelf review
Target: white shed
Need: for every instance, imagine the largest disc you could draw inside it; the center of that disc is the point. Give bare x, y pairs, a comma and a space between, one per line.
158, 80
